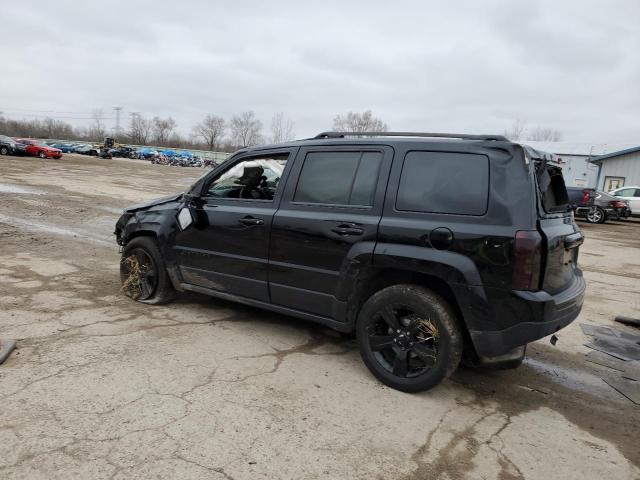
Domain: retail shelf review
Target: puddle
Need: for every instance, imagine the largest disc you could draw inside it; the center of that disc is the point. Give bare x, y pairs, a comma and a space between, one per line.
579, 380
6, 188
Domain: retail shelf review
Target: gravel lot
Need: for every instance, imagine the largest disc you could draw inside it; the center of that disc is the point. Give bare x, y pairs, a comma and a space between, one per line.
103, 387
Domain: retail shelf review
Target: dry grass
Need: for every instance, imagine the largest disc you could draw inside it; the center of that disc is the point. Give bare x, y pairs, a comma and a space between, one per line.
132, 286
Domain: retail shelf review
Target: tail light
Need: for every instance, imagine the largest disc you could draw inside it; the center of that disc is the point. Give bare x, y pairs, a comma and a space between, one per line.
617, 204
586, 196
527, 260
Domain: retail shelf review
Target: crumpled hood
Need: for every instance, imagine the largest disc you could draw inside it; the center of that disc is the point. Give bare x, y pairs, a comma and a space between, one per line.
153, 203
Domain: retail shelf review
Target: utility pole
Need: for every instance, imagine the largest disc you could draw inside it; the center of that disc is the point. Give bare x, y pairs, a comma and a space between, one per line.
117, 128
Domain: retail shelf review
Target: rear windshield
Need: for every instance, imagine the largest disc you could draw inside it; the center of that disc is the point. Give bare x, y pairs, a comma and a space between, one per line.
552, 189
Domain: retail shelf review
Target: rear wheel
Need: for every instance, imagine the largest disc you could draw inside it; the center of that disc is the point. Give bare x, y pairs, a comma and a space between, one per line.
4, 150
409, 337
597, 215
143, 272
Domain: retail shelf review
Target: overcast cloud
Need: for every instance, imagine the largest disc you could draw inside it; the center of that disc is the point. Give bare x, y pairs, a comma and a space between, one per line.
428, 66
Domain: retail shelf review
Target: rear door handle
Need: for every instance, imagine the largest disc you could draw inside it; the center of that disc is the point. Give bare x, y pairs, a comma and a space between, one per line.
250, 221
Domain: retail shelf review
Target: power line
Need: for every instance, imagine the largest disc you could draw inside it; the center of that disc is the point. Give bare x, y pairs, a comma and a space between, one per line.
50, 111
55, 117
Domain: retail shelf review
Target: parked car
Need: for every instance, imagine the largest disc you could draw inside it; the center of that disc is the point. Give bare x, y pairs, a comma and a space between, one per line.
40, 149
7, 145
381, 235
85, 149
630, 194
596, 206
63, 147
20, 148
122, 151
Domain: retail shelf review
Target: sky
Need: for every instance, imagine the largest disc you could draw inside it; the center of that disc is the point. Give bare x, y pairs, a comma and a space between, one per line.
460, 66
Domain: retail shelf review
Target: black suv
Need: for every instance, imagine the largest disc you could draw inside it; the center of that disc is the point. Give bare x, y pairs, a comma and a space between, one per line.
7, 145
431, 247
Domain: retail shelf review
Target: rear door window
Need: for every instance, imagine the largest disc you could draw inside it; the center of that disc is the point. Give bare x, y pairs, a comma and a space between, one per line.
339, 178
444, 182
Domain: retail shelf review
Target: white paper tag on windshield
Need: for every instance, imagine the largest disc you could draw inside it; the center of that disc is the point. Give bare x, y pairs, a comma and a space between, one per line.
184, 218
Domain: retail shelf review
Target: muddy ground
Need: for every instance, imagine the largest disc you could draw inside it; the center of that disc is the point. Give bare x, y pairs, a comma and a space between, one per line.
103, 387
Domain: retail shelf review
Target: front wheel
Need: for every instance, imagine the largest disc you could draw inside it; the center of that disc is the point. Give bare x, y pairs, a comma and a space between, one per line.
143, 272
4, 150
42, 154
409, 337
597, 215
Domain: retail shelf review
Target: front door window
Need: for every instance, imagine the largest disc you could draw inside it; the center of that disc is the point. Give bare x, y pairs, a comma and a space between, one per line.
255, 178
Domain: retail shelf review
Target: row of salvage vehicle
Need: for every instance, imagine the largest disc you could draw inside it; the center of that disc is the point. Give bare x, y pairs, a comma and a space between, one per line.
55, 149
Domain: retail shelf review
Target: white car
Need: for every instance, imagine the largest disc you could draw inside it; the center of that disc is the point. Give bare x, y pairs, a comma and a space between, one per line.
631, 195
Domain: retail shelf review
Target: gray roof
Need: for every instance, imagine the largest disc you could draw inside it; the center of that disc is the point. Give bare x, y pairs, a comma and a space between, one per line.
616, 154
578, 149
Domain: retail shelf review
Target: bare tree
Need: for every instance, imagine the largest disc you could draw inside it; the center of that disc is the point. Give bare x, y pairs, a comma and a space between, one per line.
282, 129
211, 130
545, 134
359, 122
97, 129
246, 130
162, 128
516, 130
139, 129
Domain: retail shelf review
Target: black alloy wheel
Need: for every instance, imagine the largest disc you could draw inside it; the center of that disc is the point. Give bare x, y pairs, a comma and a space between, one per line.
409, 337
141, 274
403, 341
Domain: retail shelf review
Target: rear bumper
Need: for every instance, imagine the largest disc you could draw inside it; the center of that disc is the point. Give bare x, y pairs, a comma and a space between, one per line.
547, 314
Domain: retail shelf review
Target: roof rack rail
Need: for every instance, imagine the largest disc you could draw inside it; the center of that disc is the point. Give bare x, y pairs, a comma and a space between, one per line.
463, 136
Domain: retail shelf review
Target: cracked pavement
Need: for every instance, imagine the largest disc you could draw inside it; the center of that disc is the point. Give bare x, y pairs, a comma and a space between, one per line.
103, 387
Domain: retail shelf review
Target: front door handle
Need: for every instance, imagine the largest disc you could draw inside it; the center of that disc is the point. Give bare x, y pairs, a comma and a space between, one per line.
250, 221
345, 230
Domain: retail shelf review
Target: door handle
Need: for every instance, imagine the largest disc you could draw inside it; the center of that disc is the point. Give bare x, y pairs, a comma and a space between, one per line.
347, 230
250, 221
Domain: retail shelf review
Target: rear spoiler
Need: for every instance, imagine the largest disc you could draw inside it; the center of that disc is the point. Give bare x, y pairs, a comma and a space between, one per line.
539, 155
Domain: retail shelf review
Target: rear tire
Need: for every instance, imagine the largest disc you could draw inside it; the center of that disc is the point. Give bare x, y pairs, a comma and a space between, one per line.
597, 216
143, 273
409, 337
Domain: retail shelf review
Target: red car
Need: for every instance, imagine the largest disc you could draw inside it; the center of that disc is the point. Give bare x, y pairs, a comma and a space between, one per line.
38, 148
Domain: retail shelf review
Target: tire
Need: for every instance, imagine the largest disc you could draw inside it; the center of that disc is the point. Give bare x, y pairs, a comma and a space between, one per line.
42, 154
597, 216
409, 337
153, 285
4, 150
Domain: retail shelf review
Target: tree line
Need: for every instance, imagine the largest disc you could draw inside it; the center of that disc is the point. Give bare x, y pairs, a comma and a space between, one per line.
215, 133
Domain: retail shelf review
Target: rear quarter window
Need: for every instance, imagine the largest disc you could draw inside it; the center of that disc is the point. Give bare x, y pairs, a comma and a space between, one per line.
444, 182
